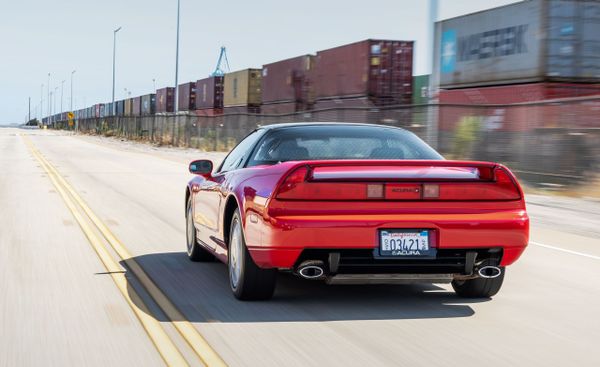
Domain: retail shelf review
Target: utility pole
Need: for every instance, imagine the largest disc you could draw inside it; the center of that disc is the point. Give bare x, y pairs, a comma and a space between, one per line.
176, 104
114, 59
71, 108
29, 114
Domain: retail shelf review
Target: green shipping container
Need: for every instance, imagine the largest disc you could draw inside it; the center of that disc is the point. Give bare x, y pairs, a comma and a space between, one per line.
420, 93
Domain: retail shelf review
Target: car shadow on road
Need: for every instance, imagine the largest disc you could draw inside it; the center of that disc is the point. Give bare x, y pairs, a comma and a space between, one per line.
201, 292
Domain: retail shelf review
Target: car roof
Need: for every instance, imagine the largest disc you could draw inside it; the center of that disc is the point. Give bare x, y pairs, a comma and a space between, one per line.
301, 124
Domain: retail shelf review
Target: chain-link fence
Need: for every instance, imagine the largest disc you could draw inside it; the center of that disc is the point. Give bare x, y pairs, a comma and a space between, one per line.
547, 143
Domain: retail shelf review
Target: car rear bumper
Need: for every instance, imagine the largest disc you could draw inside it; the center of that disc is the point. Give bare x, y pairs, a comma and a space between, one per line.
283, 241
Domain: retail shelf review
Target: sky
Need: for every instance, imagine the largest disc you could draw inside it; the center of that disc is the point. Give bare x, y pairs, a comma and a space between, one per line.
38, 37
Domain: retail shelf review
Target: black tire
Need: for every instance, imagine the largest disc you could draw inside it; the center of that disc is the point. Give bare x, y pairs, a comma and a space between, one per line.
253, 283
479, 287
195, 252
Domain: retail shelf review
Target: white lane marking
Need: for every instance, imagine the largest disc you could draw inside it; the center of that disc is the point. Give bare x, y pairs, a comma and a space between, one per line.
565, 250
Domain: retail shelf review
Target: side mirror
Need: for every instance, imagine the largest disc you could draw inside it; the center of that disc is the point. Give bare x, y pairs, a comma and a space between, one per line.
202, 167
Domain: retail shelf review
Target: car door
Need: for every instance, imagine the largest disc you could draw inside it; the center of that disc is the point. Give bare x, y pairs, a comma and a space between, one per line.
209, 199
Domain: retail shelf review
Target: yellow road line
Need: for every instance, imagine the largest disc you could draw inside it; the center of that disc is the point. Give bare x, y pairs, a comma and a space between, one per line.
191, 335
161, 340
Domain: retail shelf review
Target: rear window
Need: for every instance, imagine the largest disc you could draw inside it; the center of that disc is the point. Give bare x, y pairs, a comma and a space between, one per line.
328, 142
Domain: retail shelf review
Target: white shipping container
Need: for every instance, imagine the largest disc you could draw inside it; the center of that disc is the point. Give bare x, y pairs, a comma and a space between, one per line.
530, 41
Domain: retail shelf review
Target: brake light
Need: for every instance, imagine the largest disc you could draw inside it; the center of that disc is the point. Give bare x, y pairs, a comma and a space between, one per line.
293, 180
499, 187
493, 184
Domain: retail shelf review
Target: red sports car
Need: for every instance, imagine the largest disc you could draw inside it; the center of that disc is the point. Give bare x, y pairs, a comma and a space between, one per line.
353, 203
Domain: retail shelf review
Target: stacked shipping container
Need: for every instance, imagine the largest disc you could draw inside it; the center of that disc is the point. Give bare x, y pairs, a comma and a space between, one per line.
242, 91
209, 95
187, 97
377, 72
530, 41
165, 100
525, 52
136, 106
287, 86
148, 104
128, 109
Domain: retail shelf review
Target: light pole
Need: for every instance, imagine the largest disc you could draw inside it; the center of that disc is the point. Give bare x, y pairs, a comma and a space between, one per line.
176, 104
71, 108
114, 58
49, 106
154, 84
432, 93
62, 92
55, 99
41, 101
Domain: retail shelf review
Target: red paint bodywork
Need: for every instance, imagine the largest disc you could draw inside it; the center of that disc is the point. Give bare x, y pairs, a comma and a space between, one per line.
277, 231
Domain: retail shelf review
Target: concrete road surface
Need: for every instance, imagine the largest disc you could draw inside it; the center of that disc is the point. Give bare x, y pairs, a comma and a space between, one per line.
60, 307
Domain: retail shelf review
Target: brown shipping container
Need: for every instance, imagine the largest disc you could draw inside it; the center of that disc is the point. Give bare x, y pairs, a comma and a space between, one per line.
209, 93
242, 88
209, 112
137, 106
242, 109
344, 103
165, 100
129, 107
379, 69
279, 108
187, 97
505, 115
287, 80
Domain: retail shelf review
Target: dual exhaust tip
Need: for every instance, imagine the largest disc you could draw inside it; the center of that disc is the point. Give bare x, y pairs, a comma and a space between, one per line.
489, 272
311, 269
315, 270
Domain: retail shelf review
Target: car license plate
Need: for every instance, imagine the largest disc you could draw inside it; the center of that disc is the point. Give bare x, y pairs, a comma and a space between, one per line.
405, 243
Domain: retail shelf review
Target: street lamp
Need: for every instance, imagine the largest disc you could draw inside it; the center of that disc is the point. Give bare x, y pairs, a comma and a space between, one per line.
54, 105
177, 63
114, 58
71, 108
154, 84
49, 105
50, 108
41, 101
62, 92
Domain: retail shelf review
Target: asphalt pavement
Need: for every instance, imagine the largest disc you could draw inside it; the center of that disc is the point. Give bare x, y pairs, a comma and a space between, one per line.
61, 304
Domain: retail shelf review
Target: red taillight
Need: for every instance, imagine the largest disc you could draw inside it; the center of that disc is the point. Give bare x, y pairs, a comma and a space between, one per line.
292, 181
499, 187
493, 184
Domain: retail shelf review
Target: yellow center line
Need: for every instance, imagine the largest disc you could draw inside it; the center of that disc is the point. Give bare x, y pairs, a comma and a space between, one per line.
161, 340
191, 335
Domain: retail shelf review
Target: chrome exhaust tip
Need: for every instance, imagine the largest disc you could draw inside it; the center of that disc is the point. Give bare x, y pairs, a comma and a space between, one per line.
489, 272
311, 269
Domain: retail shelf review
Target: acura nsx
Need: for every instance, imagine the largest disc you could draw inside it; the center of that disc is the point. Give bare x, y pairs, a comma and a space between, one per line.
353, 204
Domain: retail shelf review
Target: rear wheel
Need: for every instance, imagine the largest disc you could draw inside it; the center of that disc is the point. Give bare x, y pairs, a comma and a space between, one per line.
479, 287
246, 279
195, 251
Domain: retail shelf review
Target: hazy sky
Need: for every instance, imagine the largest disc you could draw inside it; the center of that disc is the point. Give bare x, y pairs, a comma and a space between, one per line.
42, 36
